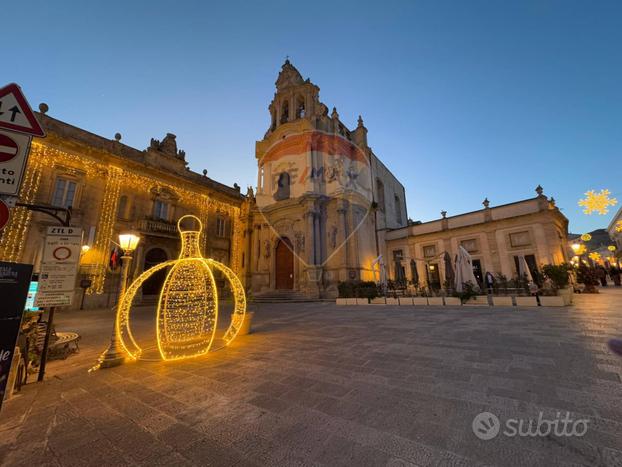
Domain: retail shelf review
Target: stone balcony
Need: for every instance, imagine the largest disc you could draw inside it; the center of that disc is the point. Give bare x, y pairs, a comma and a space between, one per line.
159, 228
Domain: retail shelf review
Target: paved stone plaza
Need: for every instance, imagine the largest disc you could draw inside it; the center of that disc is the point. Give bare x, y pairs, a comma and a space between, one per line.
317, 384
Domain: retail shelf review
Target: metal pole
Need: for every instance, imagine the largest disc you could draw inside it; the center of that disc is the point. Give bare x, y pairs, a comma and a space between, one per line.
46, 344
115, 355
48, 330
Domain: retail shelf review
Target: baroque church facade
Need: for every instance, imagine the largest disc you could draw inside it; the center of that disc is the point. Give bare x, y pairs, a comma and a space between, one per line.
323, 202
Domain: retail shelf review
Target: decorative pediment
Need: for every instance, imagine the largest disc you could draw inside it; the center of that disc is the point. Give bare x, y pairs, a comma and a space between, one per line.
168, 147
163, 193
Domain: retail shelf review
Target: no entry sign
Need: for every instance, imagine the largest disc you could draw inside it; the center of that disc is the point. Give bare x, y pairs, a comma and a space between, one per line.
5, 214
8, 148
14, 149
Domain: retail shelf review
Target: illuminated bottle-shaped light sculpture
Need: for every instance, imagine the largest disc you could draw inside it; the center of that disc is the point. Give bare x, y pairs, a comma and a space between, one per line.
187, 313
188, 304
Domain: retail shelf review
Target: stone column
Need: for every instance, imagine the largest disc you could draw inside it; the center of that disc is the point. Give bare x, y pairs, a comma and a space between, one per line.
310, 235
317, 236
343, 232
267, 179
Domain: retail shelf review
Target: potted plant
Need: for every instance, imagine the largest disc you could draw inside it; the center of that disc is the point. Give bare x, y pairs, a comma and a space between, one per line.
468, 294
587, 276
559, 275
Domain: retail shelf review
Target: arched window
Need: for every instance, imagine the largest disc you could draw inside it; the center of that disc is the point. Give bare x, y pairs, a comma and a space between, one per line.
272, 119
282, 191
285, 112
398, 210
380, 193
300, 107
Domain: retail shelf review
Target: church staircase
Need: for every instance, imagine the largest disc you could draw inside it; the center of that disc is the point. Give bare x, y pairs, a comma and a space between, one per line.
282, 296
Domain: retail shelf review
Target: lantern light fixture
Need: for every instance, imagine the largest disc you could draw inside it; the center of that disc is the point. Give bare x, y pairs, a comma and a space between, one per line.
128, 242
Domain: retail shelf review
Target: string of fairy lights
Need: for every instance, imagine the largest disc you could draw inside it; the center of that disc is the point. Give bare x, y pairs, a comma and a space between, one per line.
45, 157
105, 229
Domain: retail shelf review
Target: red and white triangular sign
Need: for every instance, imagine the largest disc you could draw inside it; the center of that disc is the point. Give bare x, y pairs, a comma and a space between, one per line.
16, 114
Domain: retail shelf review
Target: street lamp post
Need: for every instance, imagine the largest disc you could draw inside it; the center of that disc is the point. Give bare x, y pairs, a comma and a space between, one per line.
114, 355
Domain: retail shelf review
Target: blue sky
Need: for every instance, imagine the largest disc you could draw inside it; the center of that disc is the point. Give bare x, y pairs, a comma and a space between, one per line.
462, 100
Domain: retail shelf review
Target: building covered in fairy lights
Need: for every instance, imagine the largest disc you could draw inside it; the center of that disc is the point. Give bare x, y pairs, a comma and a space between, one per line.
111, 188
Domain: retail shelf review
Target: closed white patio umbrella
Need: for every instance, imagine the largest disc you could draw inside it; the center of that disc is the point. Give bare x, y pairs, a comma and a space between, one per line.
523, 268
464, 270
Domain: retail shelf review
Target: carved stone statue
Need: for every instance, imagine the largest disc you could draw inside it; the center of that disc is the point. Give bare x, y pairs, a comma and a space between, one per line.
333, 236
266, 248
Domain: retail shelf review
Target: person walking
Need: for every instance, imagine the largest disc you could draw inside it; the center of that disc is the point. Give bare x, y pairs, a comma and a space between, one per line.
614, 273
602, 275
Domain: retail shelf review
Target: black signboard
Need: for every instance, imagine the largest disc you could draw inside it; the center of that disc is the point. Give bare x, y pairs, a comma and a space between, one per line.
14, 282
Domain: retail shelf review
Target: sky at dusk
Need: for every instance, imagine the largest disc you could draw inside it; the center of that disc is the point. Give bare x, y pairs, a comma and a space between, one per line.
463, 100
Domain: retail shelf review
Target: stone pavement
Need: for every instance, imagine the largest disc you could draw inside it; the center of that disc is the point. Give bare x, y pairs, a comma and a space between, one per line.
317, 384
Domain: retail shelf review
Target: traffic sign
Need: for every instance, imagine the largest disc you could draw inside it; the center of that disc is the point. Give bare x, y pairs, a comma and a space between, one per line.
14, 149
16, 114
5, 214
8, 148
59, 266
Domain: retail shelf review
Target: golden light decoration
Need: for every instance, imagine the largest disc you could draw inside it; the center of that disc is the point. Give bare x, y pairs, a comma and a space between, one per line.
619, 226
611, 248
597, 202
579, 249
586, 237
595, 256
187, 312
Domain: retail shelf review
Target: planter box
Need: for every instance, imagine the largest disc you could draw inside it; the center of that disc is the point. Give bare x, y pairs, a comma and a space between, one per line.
502, 301
552, 301
420, 300
342, 301
452, 301
435, 301
526, 301
392, 301
246, 324
362, 301
406, 300
567, 294
378, 301
350, 301
478, 300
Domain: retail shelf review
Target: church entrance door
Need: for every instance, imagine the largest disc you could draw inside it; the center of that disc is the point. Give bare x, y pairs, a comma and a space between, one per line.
284, 264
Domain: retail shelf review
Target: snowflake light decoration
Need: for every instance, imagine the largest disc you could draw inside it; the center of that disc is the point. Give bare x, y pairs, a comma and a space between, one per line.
594, 256
597, 202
